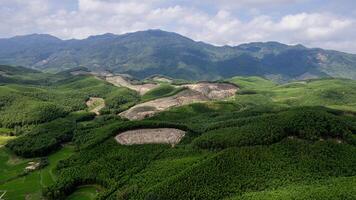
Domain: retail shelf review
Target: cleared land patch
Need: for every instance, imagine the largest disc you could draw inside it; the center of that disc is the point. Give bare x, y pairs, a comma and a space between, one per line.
213, 91
120, 81
150, 108
199, 92
151, 136
95, 104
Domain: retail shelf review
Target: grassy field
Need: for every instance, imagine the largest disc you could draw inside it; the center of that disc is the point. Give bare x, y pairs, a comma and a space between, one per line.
332, 93
163, 90
5, 139
252, 82
85, 192
29, 186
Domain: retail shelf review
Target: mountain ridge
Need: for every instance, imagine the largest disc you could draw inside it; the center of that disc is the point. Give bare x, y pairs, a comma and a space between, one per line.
149, 52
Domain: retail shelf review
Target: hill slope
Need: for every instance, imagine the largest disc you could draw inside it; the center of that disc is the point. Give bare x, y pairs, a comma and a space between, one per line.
268, 141
151, 52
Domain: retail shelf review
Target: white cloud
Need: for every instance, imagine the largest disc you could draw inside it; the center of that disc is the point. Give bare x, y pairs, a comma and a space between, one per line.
221, 27
250, 3
108, 7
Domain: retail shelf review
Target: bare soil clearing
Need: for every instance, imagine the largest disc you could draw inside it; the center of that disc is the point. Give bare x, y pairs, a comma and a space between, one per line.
95, 104
149, 108
122, 82
162, 79
213, 91
32, 166
151, 136
199, 92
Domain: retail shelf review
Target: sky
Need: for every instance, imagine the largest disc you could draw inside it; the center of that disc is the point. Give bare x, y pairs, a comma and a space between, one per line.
313, 23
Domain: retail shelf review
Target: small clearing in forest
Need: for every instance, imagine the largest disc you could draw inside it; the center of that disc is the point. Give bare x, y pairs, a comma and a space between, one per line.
151, 136
95, 104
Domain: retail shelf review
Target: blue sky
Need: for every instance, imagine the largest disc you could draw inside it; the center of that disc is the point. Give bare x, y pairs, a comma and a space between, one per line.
314, 23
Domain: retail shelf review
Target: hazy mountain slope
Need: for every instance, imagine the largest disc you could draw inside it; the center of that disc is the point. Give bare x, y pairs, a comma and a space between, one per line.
151, 52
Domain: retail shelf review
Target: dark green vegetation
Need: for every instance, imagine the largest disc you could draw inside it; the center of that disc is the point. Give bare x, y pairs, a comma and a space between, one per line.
45, 138
86, 192
151, 52
311, 145
22, 75
290, 141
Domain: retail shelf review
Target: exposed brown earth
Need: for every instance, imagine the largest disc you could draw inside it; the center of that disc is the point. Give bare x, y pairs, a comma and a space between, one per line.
214, 91
32, 166
151, 136
162, 79
122, 82
149, 108
95, 104
199, 92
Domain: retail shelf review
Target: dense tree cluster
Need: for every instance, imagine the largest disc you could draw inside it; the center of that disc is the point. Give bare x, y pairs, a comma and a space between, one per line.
47, 137
115, 163
304, 123
256, 168
234, 170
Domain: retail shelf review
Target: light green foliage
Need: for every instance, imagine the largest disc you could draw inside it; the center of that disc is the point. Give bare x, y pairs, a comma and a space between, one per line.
86, 192
19, 185
333, 93
22, 104
252, 82
5, 139
163, 90
269, 142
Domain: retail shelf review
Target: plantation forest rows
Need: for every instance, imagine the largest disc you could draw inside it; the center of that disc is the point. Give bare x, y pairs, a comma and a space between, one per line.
294, 140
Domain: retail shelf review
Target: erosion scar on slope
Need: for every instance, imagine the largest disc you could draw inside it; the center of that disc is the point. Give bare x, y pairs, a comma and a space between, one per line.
151, 136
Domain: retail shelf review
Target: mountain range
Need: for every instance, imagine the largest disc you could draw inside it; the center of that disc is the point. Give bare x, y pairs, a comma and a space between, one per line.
150, 52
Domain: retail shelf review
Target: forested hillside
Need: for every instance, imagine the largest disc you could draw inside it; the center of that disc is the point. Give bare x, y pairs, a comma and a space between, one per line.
150, 52
268, 141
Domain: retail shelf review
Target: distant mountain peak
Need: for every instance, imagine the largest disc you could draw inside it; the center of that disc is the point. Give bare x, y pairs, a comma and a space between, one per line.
102, 36
149, 52
36, 36
270, 44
